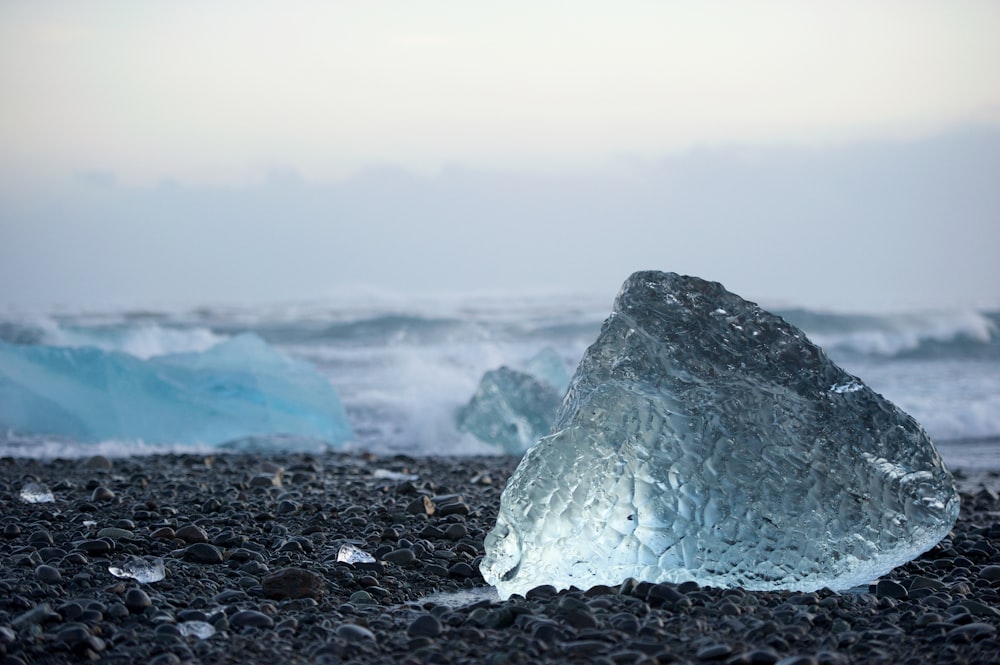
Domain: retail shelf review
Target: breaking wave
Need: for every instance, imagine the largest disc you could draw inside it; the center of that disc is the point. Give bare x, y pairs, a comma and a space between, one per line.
928, 334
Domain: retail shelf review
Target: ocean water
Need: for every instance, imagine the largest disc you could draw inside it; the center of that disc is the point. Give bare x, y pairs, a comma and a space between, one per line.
403, 368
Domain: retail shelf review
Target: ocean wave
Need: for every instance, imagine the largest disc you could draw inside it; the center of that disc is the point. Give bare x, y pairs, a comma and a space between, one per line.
141, 339
926, 334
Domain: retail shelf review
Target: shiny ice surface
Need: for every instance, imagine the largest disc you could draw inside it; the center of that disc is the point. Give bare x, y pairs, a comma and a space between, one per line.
140, 569
350, 554
706, 439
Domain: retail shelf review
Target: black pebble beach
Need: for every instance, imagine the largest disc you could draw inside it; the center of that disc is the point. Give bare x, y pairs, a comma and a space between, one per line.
250, 548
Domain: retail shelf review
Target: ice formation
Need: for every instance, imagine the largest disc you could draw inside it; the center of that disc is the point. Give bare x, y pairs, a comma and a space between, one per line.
350, 554
140, 569
512, 408
33, 492
200, 629
238, 388
705, 439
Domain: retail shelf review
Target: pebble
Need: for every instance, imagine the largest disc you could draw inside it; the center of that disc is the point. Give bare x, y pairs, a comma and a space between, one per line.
203, 553
137, 601
251, 618
991, 573
191, 533
102, 494
163, 533
971, 631
293, 583
48, 574
890, 589
400, 556
355, 633
425, 625
114, 533
456, 531
461, 570
713, 652
422, 505
95, 547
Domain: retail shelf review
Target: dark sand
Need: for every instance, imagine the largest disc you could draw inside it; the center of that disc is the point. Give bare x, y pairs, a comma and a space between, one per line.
268, 519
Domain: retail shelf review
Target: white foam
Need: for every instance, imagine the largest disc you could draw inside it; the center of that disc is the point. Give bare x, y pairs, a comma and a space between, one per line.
144, 340
890, 335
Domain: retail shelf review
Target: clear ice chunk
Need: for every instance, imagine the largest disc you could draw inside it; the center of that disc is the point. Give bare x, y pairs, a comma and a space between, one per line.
239, 388
705, 439
33, 492
200, 629
350, 554
510, 408
140, 569
388, 474
548, 367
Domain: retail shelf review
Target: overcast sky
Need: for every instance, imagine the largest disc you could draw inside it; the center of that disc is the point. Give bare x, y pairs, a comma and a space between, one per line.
839, 155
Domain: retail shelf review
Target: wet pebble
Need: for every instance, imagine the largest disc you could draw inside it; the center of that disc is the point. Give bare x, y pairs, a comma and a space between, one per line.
95, 547
293, 583
251, 618
425, 625
713, 652
48, 574
991, 573
191, 533
137, 601
115, 533
203, 553
355, 633
890, 589
401, 556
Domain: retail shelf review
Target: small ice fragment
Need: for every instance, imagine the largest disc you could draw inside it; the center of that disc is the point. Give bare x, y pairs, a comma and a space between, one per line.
33, 492
200, 629
386, 474
350, 554
89, 523
847, 387
140, 569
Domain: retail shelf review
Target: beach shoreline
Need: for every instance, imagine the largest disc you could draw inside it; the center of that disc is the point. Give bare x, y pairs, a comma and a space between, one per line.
250, 546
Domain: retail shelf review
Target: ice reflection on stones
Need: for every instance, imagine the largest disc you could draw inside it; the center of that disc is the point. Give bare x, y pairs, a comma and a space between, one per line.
705, 439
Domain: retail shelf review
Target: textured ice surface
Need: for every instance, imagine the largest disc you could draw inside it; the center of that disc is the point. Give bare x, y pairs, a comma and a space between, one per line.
705, 439
140, 569
238, 388
512, 408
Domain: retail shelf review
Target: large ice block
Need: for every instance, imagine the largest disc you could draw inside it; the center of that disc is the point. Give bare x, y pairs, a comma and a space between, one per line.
703, 438
238, 388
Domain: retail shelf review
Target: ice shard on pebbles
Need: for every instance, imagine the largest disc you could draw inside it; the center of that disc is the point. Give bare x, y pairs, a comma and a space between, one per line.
705, 439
